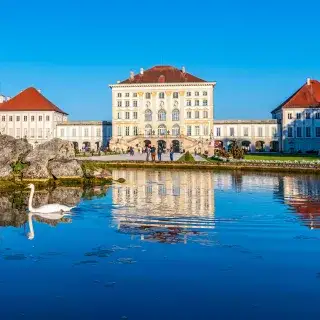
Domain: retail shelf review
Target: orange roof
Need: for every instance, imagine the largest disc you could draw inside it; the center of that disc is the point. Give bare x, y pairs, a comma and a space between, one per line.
29, 100
162, 74
308, 96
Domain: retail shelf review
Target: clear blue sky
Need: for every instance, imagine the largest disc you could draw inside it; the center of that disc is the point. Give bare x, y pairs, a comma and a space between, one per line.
258, 52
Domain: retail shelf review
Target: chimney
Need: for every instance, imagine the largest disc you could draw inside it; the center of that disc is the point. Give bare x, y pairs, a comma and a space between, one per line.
308, 81
141, 71
131, 75
183, 69
8, 98
2, 98
39, 90
118, 81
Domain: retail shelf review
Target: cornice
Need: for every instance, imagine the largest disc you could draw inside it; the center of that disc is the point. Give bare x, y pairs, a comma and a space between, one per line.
161, 85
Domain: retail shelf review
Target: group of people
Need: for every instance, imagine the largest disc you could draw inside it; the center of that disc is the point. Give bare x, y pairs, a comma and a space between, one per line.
152, 150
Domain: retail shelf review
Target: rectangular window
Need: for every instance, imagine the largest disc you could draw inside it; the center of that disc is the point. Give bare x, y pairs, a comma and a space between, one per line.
175, 95
119, 103
119, 115
47, 133
3, 118
119, 95
98, 132
299, 116
127, 131
189, 103
119, 131
135, 103
161, 95
127, 115
32, 133
245, 132
135, 131
259, 132
289, 115
61, 132
308, 115
134, 94
86, 132
188, 94
231, 132
290, 132
205, 102
218, 132
127, 94
25, 132
127, 103
148, 95
205, 130
299, 132
196, 102
10, 118
18, 133
40, 118
18, 118
32, 118
135, 115
317, 131
205, 114
274, 132
189, 115
74, 132
189, 131
197, 129
47, 118
317, 115
40, 133
205, 93
196, 115
308, 132
25, 118
196, 94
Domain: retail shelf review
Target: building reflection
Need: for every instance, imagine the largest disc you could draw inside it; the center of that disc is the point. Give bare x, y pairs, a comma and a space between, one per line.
165, 206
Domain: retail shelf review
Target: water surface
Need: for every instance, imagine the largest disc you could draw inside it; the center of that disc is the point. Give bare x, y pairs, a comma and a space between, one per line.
166, 245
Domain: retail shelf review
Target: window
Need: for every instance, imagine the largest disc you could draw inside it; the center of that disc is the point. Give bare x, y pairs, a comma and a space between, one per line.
25, 132
135, 115
245, 132
197, 128
127, 115
40, 118
148, 95
205, 93
148, 130
218, 132
317, 115
119, 95
148, 115
188, 94
161, 95
74, 132
162, 115
317, 131
189, 103
290, 132
127, 131
127, 94
175, 115
32, 118
18, 118
18, 133
205, 114
86, 132
205, 130
175, 95
134, 94
119, 131
298, 115
135, 103
162, 130
205, 102
175, 130
231, 132
47, 118
189, 115
61, 132
196, 94
299, 132
274, 132
308, 132
127, 103
259, 132
196, 114
189, 131
40, 133
119, 103
196, 102
135, 131
32, 133
25, 118
119, 115
47, 133
308, 115
289, 115
10, 118
98, 132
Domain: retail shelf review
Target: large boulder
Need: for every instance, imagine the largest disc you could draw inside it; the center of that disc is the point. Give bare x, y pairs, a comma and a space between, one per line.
61, 151
11, 151
65, 169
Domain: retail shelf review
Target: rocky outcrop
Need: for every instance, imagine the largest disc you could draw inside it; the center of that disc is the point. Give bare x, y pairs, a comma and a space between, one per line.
53, 158
95, 172
11, 151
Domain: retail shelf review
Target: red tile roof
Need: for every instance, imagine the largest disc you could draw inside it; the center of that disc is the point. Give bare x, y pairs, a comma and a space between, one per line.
308, 96
162, 74
29, 100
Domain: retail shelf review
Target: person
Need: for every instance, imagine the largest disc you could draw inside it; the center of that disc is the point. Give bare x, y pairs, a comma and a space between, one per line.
153, 153
159, 153
171, 154
148, 153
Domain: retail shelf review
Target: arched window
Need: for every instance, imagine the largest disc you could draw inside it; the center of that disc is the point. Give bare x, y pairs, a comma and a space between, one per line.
176, 130
148, 130
162, 115
162, 130
148, 115
175, 115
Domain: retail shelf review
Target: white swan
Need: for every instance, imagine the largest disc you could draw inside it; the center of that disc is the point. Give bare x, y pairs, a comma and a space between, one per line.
50, 216
47, 208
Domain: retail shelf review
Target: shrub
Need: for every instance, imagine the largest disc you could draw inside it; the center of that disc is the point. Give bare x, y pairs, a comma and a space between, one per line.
237, 152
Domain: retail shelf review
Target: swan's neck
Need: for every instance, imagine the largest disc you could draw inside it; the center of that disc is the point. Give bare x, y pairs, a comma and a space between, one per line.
31, 231
30, 199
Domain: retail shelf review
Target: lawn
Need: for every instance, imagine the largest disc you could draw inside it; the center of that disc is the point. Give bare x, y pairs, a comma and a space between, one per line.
284, 157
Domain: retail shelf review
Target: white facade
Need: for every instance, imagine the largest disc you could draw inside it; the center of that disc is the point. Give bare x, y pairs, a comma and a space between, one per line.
87, 135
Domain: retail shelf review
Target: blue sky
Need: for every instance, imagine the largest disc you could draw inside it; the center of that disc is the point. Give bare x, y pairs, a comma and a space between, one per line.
258, 52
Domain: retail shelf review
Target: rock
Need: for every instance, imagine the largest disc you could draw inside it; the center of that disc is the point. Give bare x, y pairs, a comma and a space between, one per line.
65, 169
12, 151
